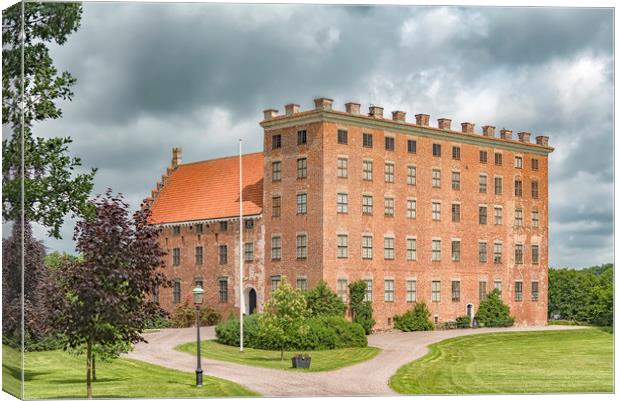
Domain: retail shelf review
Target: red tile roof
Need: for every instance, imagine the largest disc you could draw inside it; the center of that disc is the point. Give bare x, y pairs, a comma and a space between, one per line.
210, 189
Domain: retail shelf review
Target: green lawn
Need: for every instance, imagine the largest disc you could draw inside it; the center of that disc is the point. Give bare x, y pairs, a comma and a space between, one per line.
321, 360
571, 361
57, 374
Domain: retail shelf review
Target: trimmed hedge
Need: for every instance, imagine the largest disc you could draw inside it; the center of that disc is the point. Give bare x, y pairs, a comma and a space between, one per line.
415, 319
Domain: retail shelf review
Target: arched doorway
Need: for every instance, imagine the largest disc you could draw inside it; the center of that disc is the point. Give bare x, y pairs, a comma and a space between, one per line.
250, 301
470, 312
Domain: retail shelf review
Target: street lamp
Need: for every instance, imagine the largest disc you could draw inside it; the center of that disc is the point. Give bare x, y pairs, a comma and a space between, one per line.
198, 293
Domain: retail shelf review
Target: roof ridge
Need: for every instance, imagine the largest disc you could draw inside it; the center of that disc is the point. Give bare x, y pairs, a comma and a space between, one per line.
219, 158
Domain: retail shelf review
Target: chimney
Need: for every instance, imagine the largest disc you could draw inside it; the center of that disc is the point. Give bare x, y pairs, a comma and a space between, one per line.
444, 123
505, 133
169, 171
542, 140
176, 157
352, 108
422, 119
488, 130
270, 113
524, 137
467, 127
291, 109
398, 115
323, 103
375, 111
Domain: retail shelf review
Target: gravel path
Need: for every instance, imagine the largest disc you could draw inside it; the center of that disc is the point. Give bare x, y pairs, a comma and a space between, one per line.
366, 378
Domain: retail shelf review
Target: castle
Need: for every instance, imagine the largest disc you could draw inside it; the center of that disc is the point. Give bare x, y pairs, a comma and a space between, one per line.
420, 213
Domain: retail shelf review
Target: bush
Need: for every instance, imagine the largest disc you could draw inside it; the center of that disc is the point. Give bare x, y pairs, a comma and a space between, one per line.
322, 301
227, 332
492, 312
158, 322
463, 322
185, 316
415, 319
362, 310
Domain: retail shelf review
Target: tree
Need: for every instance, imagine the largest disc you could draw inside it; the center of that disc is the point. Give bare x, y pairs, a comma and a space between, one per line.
322, 301
492, 312
417, 318
283, 320
102, 300
362, 310
51, 189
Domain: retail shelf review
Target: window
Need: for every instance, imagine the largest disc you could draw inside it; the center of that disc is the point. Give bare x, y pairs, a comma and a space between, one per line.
366, 204
389, 172
342, 203
534, 290
483, 156
248, 252
456, 250
276, 171
482, 215
388, 248
456, 212
518, 187
302, 203
436, 291
176, 292
223, 254
276, 205
389, 143
497, 252
519, 254
223, 286
366, 247
176, 256
482, 252
534, 218
388, 290
482, 187
498, 159
199, 256
343, 246
342, 136
302, 283
276, 248
534, 189
223, 226
456, 291
276, 141
411, 145
436, 150
176, 230
456, 153
498, 185
389, 207
368, 293
497, 215
411, 249
343, 167
367, 140
436, 211
411, 175
275, 283
456, 180
497, 285
518, 291
411, 290
248, 224
518, 217
302, 137
342, 288
436, 250
199, 228
534, 164
518, 162
302, 168
367, 170
535, 254
436, 178
411, 208
302, 246
482, 290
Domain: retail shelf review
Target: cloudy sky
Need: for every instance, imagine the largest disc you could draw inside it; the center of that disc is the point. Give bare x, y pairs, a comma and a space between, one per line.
154, 76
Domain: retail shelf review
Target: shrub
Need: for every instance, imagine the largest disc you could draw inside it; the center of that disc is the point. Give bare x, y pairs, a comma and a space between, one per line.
158, 322
463, 322
227, 332
185, 316
362, 310
322, 301
492, 312
415, 319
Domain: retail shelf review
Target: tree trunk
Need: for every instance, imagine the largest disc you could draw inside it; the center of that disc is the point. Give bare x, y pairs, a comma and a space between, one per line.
282, 354
94, 374
89, 358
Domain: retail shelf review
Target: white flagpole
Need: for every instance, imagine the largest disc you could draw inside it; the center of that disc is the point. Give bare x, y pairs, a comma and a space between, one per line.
241, 255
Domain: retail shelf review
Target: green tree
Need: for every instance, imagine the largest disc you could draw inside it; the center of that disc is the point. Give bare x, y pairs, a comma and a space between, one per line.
322, 301
362, 310
52, 190
492, 312
417, 318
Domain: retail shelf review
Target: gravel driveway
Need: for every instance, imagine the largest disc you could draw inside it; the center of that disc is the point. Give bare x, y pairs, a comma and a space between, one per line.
366, 378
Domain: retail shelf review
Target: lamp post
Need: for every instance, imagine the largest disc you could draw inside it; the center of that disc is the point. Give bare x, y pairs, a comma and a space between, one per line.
198, 293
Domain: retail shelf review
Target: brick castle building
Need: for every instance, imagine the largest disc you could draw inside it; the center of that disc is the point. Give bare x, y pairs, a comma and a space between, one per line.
420, 213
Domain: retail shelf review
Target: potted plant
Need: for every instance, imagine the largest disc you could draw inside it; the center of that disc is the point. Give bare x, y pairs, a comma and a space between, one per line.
301, 361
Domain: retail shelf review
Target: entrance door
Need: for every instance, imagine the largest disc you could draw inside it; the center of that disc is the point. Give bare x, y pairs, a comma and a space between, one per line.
470, 312
252, 301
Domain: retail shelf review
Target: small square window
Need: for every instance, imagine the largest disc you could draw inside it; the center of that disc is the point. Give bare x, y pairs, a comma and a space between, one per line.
483, 156
276, 141
389, 143
411, 146
302, 137
436, 150
456, 153
367, 140
343, 137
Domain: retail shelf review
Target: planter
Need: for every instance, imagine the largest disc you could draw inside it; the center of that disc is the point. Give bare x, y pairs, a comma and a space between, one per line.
301, 361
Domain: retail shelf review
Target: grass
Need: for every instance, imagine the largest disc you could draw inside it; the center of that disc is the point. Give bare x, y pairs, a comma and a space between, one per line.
571, 361
321, 360
58, 374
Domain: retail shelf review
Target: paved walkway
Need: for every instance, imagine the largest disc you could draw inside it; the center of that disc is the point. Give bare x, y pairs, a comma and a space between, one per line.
366, 378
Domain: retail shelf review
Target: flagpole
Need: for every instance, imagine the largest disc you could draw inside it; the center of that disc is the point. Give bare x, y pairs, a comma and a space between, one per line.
241, 255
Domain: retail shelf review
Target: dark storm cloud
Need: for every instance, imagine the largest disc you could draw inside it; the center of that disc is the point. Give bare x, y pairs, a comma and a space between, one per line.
154, 76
